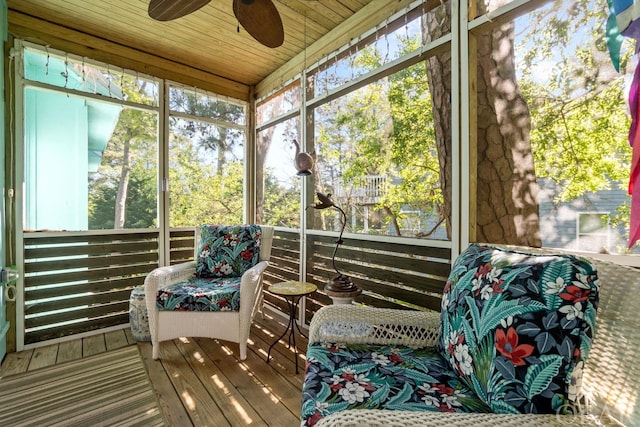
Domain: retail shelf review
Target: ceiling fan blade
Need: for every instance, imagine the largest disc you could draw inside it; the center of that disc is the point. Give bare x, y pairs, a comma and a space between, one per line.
261, 19
166, 10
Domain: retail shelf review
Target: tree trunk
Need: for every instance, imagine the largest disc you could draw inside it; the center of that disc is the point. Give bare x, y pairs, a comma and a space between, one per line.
507, 191
394, 221
123, 186
507, 207
221, 150
439, 77
263, 143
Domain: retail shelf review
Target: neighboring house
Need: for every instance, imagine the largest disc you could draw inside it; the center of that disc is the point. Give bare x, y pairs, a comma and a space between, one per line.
64, 140
583, 224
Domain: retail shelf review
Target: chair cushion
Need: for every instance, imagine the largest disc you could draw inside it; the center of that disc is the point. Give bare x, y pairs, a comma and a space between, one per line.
227, 250
517, 327
340, 377
201, 294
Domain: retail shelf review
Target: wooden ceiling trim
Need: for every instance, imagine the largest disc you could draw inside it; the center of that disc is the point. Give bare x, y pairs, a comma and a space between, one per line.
167, 39
206, 40
365, 19
78, 43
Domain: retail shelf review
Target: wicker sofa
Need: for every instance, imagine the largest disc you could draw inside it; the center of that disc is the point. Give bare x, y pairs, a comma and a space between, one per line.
610, 393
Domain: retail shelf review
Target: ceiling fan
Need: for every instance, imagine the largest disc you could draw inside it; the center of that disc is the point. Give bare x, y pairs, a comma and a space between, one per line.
259, 17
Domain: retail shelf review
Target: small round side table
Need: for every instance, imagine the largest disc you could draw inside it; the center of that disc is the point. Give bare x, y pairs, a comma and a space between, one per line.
292, 292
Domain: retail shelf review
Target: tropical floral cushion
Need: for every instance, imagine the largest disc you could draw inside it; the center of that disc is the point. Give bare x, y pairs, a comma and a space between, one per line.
227, 250
201, 294
340, 377
517, 327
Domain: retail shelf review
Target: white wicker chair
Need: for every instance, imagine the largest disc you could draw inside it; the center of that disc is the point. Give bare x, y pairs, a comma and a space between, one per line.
611, 381
226, 325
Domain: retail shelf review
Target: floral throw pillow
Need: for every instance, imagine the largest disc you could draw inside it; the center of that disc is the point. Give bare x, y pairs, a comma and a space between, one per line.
227, 250
517, 327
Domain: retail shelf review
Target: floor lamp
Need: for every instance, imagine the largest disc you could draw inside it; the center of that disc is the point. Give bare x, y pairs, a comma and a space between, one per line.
341, 288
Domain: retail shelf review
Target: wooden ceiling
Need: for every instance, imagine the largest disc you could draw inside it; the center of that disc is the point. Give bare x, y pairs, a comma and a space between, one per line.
204, 46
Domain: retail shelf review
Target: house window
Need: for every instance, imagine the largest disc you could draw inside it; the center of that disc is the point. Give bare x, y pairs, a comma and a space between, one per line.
594, 231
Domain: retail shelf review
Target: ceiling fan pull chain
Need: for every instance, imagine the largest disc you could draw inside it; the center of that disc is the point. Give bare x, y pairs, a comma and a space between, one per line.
236, 9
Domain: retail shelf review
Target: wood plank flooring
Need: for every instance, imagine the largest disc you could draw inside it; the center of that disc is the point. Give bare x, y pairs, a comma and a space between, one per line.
201, 382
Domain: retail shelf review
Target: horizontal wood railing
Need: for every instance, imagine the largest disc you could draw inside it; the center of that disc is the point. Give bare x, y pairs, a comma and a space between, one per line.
392, 275
79, 282
182, 245
395, 275
76, 282
284, 264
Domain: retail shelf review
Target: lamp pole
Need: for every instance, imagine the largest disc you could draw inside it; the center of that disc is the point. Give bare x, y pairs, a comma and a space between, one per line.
341, 288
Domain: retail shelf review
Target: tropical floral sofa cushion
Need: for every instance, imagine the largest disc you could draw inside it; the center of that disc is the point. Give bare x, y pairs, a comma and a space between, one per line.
227, 250
201, 294
517, 327
339, 377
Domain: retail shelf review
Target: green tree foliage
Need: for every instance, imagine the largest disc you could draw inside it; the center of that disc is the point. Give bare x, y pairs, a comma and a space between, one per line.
205, 175
122, 193
201, 193
413, 149
281, 204
580, 143
277, 203
141, 205
577, 100
219, 140
206, 172
383, 130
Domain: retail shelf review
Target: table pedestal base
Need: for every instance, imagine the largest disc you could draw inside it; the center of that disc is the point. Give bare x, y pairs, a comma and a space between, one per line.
292, 291
292, 302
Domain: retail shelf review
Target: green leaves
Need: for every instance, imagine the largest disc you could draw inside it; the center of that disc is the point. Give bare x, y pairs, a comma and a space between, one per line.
539, 376
385, 129
579, 118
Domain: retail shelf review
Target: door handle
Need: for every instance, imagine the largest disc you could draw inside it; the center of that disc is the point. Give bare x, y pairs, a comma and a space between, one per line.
8, 275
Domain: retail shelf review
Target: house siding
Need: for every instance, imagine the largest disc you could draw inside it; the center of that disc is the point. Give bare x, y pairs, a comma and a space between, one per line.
559, 221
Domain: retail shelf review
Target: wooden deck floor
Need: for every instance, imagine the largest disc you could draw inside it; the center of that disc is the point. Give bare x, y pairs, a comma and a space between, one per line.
201, 382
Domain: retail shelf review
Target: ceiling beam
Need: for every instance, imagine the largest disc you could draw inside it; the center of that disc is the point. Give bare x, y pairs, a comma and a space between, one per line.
78, 43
